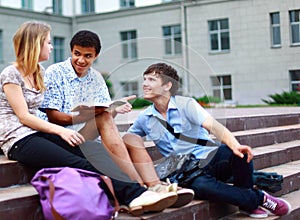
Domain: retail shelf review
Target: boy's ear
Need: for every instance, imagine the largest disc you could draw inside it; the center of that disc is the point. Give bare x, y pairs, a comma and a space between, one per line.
168, 86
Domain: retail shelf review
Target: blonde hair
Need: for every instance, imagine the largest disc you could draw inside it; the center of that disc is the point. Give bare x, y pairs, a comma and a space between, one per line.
28, 42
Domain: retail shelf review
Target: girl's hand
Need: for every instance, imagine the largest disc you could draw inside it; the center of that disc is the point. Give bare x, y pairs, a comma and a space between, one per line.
73, 138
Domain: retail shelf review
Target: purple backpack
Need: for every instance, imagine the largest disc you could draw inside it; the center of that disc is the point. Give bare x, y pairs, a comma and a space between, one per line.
72, 194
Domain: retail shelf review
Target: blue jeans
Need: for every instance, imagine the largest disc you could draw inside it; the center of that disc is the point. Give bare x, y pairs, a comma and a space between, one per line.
211, 185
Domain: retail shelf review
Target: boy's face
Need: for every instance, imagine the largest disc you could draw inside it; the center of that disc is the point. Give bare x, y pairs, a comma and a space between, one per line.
153, 86
82, 59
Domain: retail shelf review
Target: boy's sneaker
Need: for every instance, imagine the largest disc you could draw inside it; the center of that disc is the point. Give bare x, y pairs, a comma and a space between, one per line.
151, 202
185, 196
256, 213
276, 206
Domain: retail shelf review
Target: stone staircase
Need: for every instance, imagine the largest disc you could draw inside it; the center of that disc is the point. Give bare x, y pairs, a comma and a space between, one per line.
274, 136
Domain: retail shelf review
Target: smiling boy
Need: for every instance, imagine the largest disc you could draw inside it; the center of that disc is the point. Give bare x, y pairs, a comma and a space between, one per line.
75, 81
188, 118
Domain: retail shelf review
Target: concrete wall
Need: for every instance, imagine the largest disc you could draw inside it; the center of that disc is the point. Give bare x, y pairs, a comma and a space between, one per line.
11, 19
256, 68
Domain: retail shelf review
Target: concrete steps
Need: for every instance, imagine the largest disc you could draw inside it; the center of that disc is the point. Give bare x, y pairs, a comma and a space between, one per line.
13, 173
292, 198
291, 174
195, 210
249, 122
275, 138
267, 136
20, 202
276, 154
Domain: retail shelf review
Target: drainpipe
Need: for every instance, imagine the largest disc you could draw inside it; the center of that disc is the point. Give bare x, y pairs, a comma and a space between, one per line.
74, 23
185, 61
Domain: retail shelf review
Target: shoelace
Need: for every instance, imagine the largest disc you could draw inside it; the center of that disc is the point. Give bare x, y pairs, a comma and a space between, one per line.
164, 187
172, 186
270, 204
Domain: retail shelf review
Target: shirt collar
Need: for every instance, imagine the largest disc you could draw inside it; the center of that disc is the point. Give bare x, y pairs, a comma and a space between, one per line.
151, 111
172, 103
72, 74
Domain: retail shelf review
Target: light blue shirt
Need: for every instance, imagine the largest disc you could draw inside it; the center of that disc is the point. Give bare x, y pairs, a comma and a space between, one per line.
65, 89
186, 116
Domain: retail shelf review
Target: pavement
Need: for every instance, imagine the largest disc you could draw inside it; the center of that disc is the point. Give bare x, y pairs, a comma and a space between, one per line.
222, 112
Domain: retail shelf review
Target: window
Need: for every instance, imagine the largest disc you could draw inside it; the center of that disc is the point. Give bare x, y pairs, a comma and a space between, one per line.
129, 88
219, 35
1, 46
129, 44
172, 39
295, 27
87, 6
58, 49
221, 86
275, 29
180, 87
57, 7
127, 3
295, 80
27, 4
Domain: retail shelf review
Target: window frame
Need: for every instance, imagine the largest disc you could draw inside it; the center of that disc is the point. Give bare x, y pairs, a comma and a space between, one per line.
88, 6
129, 44
293, 82
295, 24
219, 32
27, 4
127, 3
173, 40
58, 49
220, 87
273, 27
132, 88
57, 7
1, 46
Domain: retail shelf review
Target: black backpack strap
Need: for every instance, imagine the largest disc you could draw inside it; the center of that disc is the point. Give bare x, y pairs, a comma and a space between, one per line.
180, 136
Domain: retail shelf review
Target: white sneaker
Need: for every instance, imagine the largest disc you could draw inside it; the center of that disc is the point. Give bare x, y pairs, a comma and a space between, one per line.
150, 201
185, 195
256, 213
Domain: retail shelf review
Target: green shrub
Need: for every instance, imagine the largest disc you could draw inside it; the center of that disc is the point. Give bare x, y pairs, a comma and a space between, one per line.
109, 85
139, 103
288, 98
208, 99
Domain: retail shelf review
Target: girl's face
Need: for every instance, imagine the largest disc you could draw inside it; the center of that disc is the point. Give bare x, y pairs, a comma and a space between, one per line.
46, 49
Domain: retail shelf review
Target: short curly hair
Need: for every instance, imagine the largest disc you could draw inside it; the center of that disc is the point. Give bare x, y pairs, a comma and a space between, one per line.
85, 38
167, 73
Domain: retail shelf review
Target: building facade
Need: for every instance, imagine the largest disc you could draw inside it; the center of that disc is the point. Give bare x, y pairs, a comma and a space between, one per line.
238, 50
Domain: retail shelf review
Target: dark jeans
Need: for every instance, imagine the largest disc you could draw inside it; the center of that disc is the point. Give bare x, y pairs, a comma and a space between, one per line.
41, 150
212, 184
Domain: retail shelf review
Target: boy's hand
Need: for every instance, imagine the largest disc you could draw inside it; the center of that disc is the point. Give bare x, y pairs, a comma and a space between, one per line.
241, 150
127, 107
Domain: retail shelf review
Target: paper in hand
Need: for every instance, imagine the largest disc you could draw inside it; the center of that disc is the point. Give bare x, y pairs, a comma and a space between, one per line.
108, 105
